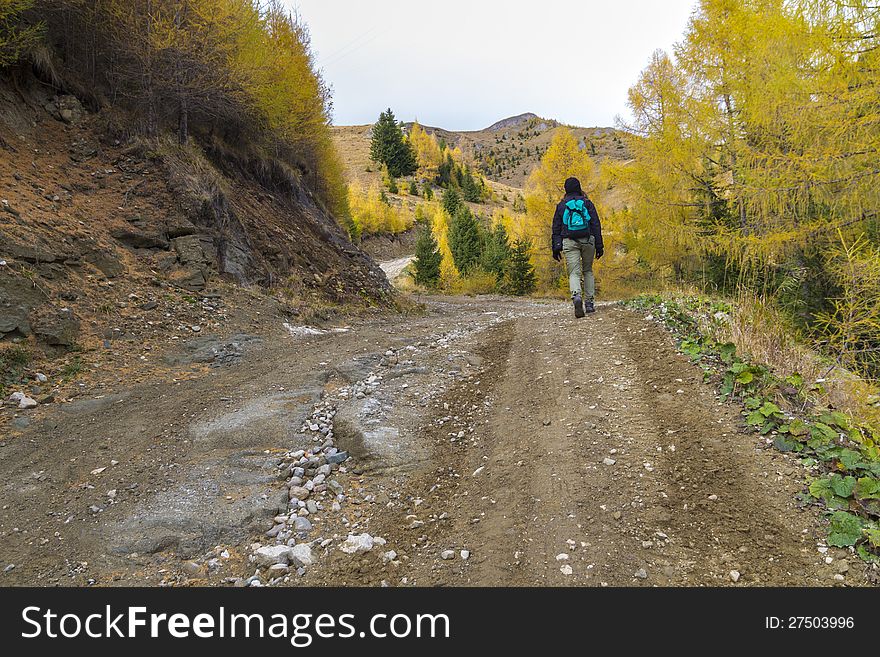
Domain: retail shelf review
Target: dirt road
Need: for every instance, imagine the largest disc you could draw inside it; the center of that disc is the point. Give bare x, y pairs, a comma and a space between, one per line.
492, 442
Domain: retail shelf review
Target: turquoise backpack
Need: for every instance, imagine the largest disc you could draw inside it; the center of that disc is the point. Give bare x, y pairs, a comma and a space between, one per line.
576, 216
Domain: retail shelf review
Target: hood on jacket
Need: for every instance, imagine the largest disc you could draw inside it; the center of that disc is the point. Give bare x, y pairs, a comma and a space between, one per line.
573, 187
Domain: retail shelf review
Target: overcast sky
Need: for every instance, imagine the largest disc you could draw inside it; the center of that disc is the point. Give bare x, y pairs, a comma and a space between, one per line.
463, 64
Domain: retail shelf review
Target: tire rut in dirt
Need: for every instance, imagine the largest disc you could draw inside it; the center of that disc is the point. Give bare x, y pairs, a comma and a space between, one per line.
725, 505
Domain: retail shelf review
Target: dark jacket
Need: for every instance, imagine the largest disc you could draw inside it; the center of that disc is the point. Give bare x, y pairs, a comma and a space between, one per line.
560, 232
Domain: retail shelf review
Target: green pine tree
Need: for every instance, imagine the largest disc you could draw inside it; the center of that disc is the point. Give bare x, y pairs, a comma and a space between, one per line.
392, 186
427, 260
427, 191
413, 188
469, 188
521, 278
446, 172
386, 134
465, 241
389, 147
497, 252
451, 201
405, 164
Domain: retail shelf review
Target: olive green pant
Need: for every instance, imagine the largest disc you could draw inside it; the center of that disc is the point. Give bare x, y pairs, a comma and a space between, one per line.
579, 254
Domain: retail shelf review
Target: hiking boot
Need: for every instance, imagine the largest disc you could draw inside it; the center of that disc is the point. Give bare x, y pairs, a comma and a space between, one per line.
591, 307
578, 306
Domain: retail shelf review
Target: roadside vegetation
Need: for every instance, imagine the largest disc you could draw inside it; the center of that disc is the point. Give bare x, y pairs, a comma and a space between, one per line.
14, 359
839, 449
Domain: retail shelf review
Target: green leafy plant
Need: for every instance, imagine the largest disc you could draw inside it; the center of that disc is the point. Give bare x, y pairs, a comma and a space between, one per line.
845, 529
13, 360
72, 369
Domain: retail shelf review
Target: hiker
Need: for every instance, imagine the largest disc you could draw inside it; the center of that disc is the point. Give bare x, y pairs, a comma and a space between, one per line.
577, 233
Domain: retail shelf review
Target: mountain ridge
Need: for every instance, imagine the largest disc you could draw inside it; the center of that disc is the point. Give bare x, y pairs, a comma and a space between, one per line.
512, 121
506, 152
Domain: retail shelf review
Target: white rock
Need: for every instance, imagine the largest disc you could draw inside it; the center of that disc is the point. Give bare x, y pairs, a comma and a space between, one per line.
357, 543
562, 557
27, 402
609, 461
479, 470
465, 554
389, 556
302, 553
299, 492
566, 570
272, 554
734, 576
446, 555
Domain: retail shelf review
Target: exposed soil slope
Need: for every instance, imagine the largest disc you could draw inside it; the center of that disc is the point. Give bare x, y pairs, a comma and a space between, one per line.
87, 214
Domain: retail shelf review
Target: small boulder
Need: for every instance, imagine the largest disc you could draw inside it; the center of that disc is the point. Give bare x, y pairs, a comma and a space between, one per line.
26, 402
57, 328
338, 457
302, 554
14, 320
357, 544
270, 555
299, 492
302, 525
69, 109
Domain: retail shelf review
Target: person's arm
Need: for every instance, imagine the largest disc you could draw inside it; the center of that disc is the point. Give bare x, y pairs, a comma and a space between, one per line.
556, 244
596, 227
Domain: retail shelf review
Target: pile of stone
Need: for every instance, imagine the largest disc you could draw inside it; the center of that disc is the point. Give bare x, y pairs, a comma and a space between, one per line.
312, 490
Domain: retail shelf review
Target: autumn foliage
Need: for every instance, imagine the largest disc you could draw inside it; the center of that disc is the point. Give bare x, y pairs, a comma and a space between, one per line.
17, 37
240, 72
756, 163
